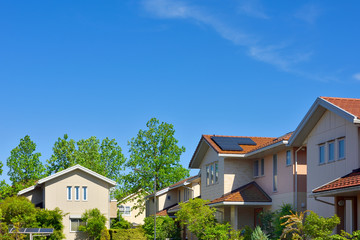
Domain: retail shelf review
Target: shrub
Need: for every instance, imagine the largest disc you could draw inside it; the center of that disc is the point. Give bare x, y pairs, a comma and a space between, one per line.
104, 235
120, 223
165, 228
266, 223
51, 219
258, 234
95, 223
19, 210
127, 234
246, 232
279, 221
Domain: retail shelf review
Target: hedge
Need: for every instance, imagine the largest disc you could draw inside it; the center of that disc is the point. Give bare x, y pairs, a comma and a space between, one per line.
127, 234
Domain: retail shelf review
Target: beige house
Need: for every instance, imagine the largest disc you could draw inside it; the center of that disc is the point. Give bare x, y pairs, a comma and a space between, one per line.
330, 132
168, 198
243, 176
73, 190
128, 212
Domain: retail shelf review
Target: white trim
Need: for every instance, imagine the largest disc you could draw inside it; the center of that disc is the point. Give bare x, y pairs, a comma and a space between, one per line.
79, 219
241, 204
70, 169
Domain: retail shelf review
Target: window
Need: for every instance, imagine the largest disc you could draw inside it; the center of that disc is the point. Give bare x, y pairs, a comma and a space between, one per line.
256, 168
74, 224
179, 196
275, 180
186, 194
331, 155
341, 143
125, 210
216, 172
85, 196
321, 154
262, 167
69, 190
207, 175
77, 193
288, 158
212, 173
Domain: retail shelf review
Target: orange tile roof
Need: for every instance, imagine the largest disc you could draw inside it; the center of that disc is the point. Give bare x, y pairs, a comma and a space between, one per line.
162, 213
351, 105
350, 180
250, 192
261, 142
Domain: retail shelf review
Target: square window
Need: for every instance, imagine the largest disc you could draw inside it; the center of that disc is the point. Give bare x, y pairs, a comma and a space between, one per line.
331, 155
75, 223
321, 154
341, 144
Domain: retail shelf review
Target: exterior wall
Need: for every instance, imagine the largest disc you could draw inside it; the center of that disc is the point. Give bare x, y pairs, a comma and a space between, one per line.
216, 190
134, 218
237, 172
330, 127
56, 196
113, 209
35, 196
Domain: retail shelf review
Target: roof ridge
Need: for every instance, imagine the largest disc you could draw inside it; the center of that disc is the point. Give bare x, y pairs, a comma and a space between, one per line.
323, 97
214, 135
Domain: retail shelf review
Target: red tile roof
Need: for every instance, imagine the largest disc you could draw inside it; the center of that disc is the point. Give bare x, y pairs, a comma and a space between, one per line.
261, 142
350, 180
250, 192
351, 105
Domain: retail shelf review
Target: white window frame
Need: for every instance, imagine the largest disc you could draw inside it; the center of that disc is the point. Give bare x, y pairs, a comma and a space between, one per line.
322, 154
77, 193
331, 143
124, 211
338, 155
68, 193
212, 173
288, 158
79, 220
84, 193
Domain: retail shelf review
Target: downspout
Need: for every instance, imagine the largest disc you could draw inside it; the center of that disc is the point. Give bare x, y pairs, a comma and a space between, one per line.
296, 179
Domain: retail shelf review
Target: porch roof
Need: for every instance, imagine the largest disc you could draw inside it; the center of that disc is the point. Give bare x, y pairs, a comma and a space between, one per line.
249, 194
343, 184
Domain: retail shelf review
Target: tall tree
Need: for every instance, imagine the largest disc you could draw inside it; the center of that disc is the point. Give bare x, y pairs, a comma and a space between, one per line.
1, 165
153, 152
24, 163
105, 158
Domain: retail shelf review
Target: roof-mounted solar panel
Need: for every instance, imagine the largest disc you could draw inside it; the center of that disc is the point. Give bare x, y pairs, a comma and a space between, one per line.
232, 143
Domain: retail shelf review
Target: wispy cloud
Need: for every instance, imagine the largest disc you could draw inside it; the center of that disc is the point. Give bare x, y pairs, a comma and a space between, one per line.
253, 8
357, 76
308, 13
276, 55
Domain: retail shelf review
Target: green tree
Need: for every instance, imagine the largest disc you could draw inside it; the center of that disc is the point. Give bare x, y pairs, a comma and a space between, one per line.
1, 165
153, 151
200, 220
105, 158
24, 163
51, 219
95, 223
18, 210
165, 228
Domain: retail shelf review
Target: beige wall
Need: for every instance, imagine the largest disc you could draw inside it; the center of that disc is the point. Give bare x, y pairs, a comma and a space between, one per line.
135, 218
330, 127
237, 172
56, 196
216, 190
35, 196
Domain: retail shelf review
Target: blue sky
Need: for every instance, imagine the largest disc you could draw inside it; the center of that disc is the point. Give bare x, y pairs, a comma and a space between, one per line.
235, 67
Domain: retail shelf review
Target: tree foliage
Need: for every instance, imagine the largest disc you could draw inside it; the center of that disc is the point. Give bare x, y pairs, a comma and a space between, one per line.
200, 220
105, 158
120, 222
95, 223
165, 228
153, 151
24, 163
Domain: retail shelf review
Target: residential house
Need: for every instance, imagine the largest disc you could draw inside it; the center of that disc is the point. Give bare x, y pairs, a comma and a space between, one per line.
242, 176
330, 132
128, 212
73, 190
171, 196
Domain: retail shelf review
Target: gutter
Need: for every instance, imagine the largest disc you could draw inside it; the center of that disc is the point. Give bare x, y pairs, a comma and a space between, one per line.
240, 204
335, 191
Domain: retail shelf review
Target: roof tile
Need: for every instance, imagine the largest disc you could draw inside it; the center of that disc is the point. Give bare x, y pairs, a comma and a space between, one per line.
349, 180
351, 105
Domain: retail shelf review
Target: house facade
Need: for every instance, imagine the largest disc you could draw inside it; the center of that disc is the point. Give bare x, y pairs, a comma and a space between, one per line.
73, 190
128, 212
330, 132
242, 176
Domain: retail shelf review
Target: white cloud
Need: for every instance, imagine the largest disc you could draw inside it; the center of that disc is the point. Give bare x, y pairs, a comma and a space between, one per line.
253, 8
357, 76
276, 55
308, 13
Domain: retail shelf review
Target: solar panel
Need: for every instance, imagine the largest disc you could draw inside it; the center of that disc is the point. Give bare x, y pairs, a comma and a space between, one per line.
46, 230
232, 143
41, 231
32, 230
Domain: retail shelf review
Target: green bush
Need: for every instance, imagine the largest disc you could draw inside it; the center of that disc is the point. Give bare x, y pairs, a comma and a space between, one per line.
51, 219
127, 234
165, 228
317, 227
258, 234
95, 223
104, 235
120, 223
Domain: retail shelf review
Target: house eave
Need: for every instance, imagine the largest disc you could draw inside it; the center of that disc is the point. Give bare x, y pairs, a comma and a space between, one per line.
240, 204
332, 193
